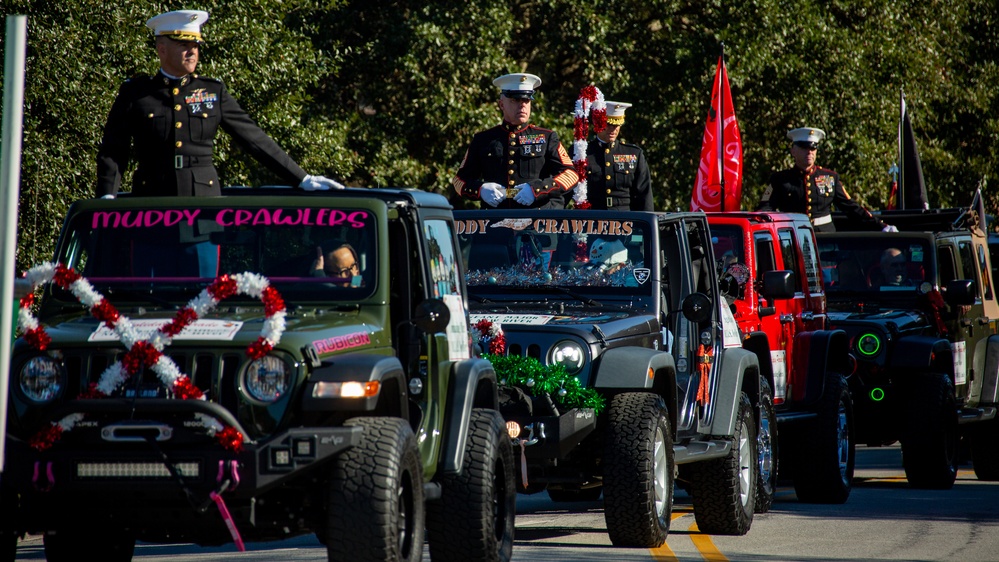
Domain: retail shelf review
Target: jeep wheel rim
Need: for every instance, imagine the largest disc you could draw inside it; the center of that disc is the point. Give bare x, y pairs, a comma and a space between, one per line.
659, 470
843, 436
766, 451
745, 465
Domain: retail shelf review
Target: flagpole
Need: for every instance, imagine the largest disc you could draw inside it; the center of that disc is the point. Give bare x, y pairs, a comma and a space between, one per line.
721, 127
900, 202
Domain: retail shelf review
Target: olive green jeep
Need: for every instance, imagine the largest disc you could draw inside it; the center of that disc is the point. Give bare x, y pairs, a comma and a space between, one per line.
251, 367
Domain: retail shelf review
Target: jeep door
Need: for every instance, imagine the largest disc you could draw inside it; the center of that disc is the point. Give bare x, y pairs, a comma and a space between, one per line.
688, 267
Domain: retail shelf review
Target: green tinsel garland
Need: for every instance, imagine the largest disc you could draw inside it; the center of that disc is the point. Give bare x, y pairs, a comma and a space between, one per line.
516, 370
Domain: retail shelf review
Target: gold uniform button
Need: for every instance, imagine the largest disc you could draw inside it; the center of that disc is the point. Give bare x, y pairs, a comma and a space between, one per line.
511, 183
150, 115
607, 164
608, 177
512, 135
512, 143
512, 152
176, 91
608, 192
204, 115
176, 107
510, 172
178, 144
510, 162
178, 125
607, 150
211, 182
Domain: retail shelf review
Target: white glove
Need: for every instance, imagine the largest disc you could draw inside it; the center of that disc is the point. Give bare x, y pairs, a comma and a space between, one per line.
889, 228
492, 193
526, 194
107, 196
319, 183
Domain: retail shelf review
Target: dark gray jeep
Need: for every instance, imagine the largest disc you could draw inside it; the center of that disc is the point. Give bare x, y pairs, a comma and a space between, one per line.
619, 366
921, 313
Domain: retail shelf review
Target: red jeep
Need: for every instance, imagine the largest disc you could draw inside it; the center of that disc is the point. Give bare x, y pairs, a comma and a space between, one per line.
770, 272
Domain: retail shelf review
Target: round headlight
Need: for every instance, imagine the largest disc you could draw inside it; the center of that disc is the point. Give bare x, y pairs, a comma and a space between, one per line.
42, 379
869, 344
266, 379
569, 354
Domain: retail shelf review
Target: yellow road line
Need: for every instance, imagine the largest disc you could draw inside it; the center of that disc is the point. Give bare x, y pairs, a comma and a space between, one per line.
664, 553
705, 545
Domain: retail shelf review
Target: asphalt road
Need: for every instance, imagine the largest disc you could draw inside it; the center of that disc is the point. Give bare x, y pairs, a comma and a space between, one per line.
884, 519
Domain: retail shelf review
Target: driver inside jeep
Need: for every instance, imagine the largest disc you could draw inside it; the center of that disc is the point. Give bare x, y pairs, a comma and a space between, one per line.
341, 263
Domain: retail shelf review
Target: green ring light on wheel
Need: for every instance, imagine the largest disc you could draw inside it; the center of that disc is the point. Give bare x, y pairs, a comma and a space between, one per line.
869, 344
877, 394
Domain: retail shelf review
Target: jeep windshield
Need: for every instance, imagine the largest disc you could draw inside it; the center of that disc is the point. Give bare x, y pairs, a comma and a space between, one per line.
562, 252
169, 254
872, 264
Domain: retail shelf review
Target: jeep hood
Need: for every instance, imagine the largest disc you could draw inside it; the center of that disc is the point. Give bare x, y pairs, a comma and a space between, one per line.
901, 320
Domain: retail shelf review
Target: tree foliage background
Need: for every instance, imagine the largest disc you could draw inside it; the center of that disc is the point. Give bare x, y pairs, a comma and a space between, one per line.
389, 93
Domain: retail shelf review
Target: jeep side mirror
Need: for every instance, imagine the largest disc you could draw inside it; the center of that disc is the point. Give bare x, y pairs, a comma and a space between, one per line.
959, 292
696, 307
778, 285
432, 316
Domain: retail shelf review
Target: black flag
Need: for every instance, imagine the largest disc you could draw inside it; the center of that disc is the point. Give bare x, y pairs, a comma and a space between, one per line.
912, 188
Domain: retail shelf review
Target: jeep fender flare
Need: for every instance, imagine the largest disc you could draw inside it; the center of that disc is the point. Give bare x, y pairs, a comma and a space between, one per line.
815, 353
922, 353
386, 370
473, 385
738, 373
759, 343
986, 361
630, 369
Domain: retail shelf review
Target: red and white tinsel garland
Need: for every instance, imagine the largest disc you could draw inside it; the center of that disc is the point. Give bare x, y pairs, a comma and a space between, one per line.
590, 104
149, 352
489, 336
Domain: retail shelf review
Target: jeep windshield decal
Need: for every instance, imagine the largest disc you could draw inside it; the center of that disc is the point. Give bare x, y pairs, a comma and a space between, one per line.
875, 264
308, 251
540, 252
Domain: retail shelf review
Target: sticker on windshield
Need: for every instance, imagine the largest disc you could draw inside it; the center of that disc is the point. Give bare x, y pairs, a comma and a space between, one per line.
201, 330
513, 318
642, 274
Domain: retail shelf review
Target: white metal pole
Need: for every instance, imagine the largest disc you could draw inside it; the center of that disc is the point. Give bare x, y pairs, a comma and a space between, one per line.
10, 180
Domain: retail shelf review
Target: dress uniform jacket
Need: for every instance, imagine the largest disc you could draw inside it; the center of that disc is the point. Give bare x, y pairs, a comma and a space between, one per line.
813, 193
511, 155
617, 177
172, 123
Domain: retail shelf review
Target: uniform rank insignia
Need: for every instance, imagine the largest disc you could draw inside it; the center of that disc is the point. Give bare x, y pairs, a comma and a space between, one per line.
196, 98
826, 185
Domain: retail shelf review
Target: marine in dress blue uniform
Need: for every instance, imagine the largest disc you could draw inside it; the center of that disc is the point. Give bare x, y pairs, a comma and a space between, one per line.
617, 174
169, 122
813, 190
516, 165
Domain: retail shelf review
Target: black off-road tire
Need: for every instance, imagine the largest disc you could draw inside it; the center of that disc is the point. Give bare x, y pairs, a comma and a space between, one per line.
723, 490
9, 504
638, 470
766, 449
474, 519
375, 509
930, 439
88, 544
827, 452
985, 450
581, 495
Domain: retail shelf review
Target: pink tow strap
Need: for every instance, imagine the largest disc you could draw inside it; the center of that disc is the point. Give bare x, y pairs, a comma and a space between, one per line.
227, 517
223, 510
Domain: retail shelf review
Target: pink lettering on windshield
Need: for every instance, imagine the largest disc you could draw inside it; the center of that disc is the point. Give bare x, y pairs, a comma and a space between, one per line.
231, 217
144, 218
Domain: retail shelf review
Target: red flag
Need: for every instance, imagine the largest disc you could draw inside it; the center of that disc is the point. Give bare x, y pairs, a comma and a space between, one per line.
718, 186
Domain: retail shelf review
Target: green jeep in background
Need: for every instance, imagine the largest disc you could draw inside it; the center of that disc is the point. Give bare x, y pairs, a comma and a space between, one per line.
343, 403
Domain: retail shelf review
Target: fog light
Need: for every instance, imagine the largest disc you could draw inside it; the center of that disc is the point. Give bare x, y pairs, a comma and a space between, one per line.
513, 429
303, 447
281, 457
